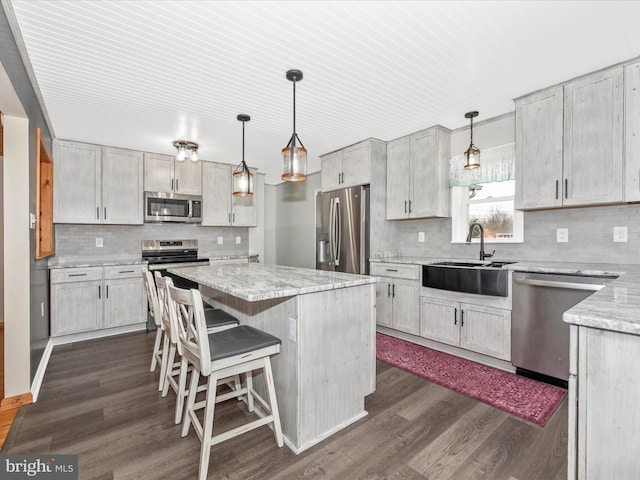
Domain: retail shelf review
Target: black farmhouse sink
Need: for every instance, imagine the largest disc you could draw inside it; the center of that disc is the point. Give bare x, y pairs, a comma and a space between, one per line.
469, 277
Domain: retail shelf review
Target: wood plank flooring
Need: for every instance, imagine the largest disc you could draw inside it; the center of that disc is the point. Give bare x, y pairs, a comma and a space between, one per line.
98, 400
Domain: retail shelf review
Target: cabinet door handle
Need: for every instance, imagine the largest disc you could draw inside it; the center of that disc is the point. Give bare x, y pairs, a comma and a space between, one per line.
405, 206
557, 185
172, 184
229, 217
99, 292
409, 206
393, 291
97, 213
177, 184
234, 217
388, 289
105, 213
338, 178
342, 177
455, 316
461, 318
566, 188
107, 288
77, 274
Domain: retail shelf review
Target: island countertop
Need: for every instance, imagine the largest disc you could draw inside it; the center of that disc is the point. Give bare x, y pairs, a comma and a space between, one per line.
254, 282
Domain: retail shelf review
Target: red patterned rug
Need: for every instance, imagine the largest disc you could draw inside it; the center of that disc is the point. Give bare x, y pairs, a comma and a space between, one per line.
534, 401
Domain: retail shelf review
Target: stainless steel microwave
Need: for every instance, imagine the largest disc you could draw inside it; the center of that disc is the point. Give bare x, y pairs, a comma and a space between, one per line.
168, 207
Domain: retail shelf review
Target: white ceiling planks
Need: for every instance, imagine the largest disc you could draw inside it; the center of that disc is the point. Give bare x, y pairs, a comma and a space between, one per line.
140, 74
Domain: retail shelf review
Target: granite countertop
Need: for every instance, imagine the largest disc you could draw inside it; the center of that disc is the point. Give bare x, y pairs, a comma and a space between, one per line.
254, 281
75, 262
616, 307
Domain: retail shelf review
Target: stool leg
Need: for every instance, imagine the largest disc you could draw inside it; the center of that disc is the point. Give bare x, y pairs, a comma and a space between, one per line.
182, 382
191, 400
163, 363
207, 426
249, 380
238, 385
156, 349
169, 369
271, 389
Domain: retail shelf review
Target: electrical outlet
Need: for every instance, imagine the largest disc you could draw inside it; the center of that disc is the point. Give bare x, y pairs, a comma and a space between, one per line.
293, 333
219, 240
238, 240
562, 235
620, 234
99, 242
421, 237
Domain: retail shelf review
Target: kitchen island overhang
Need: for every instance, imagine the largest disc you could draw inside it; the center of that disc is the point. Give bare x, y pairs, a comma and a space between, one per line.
326, 322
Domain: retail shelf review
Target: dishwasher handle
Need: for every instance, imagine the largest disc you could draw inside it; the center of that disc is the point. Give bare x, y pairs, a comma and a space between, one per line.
566, 285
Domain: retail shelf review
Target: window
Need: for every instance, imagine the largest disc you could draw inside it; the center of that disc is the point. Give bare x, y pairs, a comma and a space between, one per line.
489, 204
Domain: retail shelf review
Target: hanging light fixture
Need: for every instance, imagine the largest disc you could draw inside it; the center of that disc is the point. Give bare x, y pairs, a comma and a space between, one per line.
472, 155
186, 149
294, 159
242, 176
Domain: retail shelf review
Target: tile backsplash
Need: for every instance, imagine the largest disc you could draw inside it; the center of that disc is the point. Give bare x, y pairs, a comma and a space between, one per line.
125, 240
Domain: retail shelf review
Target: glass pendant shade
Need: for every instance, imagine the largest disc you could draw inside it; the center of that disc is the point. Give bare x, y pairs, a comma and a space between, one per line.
294, 164
194, 155
242, 176
182, 153
294, 158
186, 149
472, 156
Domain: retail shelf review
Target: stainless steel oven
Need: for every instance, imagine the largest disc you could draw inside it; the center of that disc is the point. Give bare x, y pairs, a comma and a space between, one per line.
161, 255
168, 207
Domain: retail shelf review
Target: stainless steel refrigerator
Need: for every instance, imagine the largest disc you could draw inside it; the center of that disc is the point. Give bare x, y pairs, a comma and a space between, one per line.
342, 230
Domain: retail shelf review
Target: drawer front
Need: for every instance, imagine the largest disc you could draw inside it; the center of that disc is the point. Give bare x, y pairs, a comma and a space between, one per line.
122, 271
395, 270
67, 275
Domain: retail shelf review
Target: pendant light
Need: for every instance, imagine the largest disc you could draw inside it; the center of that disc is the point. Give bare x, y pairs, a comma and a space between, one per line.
294, 159
472, 155
242, 176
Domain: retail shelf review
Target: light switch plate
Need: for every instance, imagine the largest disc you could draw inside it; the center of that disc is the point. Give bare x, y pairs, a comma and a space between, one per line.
238, 240
620, 234
219, 240
421, 237
99, 242
562, 235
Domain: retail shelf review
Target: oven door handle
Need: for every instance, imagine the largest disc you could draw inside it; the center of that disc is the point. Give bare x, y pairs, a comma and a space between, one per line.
564, 285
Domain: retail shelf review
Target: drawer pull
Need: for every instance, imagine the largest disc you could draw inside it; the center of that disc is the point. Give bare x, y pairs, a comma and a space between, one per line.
392, 270
126, 271
77, 274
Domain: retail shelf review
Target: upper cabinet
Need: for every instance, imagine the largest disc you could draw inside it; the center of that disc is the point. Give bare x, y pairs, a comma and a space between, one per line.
350, 166
632, 132
163, 173
219, 206
569, 143
99, 185
418, 175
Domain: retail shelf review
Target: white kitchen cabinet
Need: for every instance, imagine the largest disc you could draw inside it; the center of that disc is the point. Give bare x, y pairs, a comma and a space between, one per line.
397, 296
124, 296
76, 300
97, 185
604, 419
219, 206
350, 166
418, 175
96, 298
481, 329
569, 143
163, 173
632, 132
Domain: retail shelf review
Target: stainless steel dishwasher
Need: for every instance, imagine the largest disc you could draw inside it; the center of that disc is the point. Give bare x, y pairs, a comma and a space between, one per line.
539, 337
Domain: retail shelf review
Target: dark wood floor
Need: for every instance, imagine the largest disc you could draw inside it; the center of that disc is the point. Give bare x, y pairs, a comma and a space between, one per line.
99, 401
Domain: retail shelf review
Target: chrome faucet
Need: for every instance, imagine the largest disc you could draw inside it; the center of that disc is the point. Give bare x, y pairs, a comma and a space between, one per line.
482, 254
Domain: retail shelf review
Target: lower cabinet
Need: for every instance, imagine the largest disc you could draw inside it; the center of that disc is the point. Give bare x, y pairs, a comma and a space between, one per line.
604, 418
397, 296
95, 298
481, 329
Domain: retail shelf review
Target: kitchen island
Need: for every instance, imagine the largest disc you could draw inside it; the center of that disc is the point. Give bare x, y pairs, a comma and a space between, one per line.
326, 322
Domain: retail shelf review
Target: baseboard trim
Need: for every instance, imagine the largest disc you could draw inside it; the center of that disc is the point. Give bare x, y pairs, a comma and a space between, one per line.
95, 334
16, 401
42, 368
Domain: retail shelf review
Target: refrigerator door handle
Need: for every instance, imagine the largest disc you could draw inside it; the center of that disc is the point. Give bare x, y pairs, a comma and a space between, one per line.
337, 230
331, 233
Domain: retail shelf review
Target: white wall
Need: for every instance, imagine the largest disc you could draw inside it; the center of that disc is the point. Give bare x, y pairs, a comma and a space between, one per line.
270, 226
16, 256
